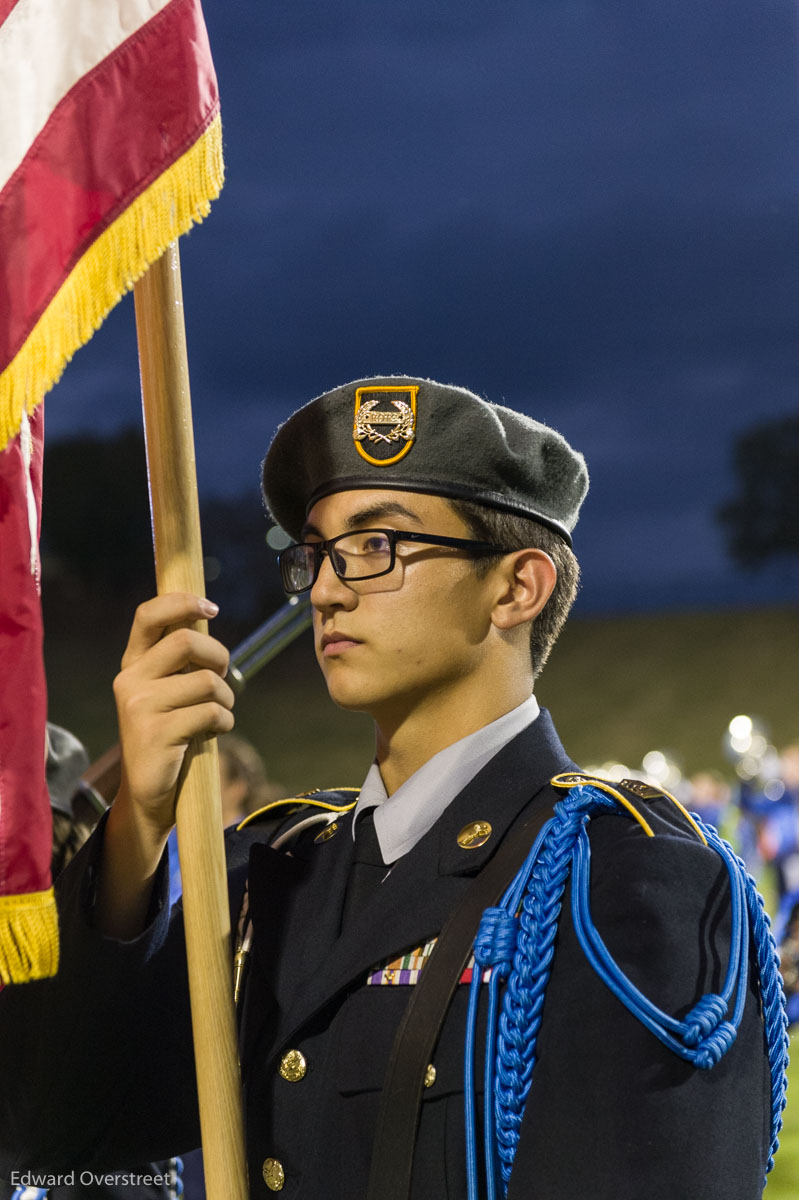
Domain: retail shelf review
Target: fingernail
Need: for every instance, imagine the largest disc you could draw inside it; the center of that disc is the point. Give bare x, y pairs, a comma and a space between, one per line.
209, 608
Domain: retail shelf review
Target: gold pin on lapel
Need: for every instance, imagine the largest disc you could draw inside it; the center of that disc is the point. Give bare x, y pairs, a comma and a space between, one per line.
327, 833
475, 834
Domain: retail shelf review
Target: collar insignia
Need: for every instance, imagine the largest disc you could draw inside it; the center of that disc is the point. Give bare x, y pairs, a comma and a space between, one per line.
385, 429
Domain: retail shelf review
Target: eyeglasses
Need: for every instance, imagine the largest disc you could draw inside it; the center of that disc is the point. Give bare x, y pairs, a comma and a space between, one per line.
362, 555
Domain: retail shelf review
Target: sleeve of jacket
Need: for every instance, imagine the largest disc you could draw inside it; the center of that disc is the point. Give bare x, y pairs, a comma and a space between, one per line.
96, 1065
612, 1113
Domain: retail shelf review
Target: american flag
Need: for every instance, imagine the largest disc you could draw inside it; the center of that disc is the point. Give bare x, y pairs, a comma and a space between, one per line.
110, 148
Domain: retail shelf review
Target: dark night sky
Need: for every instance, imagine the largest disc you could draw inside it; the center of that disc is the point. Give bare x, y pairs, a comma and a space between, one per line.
588, 211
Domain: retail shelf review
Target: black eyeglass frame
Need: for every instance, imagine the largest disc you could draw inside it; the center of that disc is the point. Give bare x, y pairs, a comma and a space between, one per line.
394, 535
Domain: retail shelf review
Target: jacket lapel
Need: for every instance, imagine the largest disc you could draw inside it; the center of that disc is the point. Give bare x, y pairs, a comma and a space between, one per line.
292, 927
414, 902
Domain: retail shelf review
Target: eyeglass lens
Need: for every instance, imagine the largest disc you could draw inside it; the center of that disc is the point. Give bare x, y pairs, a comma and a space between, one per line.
354, 556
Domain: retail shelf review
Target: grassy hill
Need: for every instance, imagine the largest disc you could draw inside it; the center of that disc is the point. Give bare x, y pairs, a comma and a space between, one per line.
621, 686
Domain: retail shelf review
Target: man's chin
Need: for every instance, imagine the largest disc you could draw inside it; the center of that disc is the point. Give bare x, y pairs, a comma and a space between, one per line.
383, 707
348, 695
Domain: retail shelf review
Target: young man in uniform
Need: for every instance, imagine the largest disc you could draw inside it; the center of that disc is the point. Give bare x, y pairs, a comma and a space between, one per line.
433, 532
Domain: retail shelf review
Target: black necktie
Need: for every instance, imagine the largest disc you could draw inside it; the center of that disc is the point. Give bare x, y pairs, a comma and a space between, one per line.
368, 869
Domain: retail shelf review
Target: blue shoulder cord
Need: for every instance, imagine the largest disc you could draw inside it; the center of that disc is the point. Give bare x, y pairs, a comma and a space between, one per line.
176, 1168
516, 939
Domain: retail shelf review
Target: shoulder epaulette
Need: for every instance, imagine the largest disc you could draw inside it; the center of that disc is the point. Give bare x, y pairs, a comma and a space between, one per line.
306, 799
641, 789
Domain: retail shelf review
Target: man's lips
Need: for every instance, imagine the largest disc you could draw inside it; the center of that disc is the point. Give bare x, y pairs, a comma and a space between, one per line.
336, 643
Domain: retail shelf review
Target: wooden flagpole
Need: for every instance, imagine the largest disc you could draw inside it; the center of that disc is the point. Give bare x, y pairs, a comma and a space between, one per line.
179, 567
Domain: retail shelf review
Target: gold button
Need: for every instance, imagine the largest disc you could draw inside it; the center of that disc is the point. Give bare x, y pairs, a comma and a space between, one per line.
429, 1075
475, 834
274, 1175
327, 833
293, 1066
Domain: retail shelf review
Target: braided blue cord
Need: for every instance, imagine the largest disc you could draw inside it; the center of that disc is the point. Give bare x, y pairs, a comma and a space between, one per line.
772, 992
176, 1189
469, 1100
703, 1037
489, 1128
501, 961
523, 1001
494, 947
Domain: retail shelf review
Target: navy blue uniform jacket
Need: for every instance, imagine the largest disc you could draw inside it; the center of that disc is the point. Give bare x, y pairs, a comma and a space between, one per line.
96, 1067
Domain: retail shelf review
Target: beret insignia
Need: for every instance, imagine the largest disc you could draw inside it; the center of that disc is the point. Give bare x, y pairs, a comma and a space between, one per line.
389, 432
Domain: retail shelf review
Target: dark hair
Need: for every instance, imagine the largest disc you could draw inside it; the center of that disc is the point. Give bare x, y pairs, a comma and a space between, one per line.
520, 533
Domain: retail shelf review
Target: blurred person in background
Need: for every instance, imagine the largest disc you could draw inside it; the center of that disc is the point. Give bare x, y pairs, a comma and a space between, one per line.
778, 839
709, 796
246, 787
786, 933
774, 810
786, 929
76, 808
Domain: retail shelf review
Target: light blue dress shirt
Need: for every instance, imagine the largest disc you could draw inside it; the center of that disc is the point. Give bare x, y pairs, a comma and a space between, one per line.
404, 817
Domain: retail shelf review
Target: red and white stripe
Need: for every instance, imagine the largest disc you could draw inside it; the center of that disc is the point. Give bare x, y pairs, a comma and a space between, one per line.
46, 46
98, 98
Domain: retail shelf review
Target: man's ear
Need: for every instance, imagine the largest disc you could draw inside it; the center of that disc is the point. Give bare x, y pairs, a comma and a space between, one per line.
527, 579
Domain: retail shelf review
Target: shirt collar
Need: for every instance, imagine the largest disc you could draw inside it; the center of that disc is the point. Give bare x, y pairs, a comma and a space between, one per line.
402, 819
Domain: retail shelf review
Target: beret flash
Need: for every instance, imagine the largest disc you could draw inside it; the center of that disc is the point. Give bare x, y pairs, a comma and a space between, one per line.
420, 436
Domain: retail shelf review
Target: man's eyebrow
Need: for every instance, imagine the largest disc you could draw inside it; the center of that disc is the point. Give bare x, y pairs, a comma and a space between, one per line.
364, 516
377, 512
309, 530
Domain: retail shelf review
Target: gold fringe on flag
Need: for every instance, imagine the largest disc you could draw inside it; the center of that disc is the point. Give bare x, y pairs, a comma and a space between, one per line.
28, 937
180, 197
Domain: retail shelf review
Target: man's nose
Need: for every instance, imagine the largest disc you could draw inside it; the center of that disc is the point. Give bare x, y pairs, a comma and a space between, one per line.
329, 591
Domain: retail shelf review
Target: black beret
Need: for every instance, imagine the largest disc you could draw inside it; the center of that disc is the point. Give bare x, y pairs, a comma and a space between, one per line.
420, 436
